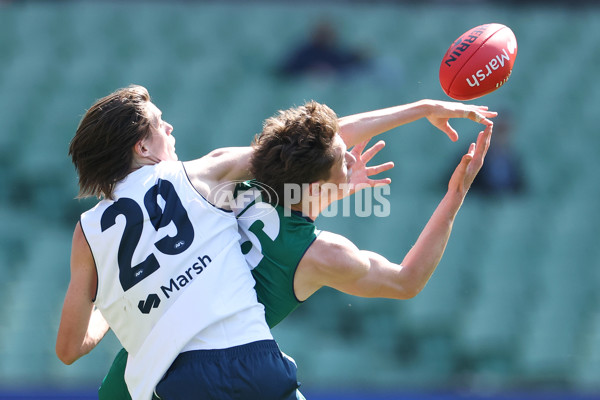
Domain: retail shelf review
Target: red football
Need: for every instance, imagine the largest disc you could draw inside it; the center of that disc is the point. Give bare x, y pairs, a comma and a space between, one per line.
478, 62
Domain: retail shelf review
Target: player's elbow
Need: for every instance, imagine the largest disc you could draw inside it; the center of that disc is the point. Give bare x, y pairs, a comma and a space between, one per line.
404, 284
65, 358
65, 353
411, 280
406, 290
401, 292
410, 292
414, 286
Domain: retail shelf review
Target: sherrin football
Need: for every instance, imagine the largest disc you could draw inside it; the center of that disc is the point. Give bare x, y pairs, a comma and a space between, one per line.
478, 62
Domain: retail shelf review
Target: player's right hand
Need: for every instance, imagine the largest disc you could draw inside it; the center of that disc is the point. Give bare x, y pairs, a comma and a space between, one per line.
471, 163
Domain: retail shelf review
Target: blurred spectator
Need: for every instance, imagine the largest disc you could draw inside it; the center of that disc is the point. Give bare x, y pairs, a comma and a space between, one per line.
502, 172
322, 54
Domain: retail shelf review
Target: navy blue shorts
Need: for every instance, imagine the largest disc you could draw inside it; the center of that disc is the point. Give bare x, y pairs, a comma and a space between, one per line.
254, 371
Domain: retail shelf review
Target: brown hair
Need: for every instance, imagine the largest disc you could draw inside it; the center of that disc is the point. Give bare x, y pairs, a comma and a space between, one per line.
101, 149
295, 146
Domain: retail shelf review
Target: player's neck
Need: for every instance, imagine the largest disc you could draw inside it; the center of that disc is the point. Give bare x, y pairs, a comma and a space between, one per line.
308, 208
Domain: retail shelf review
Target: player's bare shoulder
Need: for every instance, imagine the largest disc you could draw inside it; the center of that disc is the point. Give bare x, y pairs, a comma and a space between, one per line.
333, 249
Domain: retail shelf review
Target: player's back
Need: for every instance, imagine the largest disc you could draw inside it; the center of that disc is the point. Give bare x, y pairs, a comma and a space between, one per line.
167, 240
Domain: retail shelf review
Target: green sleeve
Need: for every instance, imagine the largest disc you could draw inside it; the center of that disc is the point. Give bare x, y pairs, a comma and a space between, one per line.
113, 386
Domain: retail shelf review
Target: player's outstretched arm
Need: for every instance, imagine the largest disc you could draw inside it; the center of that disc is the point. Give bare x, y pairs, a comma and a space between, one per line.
427, 252
218, 168
363, 126
334, 261
81, 326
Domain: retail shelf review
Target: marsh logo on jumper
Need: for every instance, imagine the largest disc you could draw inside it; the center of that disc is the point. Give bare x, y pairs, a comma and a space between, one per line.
178, 282
175, 284
152, 301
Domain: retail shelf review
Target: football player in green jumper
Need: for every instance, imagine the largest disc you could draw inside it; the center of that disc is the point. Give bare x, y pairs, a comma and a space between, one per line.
305, 148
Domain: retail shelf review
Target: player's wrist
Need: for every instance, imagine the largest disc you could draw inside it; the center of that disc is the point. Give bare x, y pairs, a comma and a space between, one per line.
426, 107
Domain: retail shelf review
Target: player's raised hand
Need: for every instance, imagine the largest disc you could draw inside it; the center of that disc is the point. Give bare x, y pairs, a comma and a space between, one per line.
360, 176
471, 163
441, 112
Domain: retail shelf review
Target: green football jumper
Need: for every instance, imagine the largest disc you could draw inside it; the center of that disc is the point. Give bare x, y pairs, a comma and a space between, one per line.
274, 240
278, 238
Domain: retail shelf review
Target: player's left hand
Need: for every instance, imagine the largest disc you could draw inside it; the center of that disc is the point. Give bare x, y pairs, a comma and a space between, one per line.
360, 176
441, 112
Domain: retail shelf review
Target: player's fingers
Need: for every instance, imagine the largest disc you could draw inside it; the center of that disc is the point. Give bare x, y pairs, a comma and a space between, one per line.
485, 110
466, 159
487, 139
460, 172
483, 140
377, 169
381, 182
450, 131
358, 148
481, 148
477, 117
461, 168
471, 153
371, 151
489, 114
